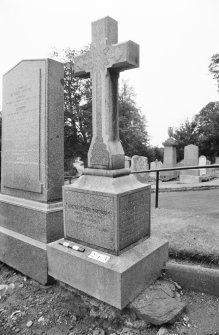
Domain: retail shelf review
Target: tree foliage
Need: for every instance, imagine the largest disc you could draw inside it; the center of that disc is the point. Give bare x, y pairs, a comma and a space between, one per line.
214, 68
202, 131
132, 123
207, 128
77, 107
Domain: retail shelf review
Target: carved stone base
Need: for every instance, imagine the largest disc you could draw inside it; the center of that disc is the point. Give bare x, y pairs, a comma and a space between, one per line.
106, 213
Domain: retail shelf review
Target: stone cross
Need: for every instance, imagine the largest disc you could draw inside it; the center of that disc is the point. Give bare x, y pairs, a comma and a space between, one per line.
103, 62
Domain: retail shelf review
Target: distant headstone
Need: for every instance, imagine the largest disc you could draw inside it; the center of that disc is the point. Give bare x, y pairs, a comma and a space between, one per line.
127, 162
140, 163
107, 211
156, 165
32, 165
202, 161
191, 154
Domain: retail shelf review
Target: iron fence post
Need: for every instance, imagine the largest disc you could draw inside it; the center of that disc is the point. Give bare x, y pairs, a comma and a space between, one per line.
157, 188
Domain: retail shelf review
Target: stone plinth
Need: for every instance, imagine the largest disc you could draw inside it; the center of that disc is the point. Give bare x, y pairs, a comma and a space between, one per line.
117, 281
107, 213
26, 227
32, 165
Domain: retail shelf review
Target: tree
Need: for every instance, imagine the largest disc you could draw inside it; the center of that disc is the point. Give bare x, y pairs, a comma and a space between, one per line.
214, 68
77, 107
132, 123
202, 131
207, 129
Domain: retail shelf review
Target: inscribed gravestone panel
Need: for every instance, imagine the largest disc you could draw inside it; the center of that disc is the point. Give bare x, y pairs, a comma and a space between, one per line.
90, 218
134, 217
21, 129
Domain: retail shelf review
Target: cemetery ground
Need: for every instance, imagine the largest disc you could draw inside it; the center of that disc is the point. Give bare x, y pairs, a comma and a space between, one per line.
30, 308
189, 220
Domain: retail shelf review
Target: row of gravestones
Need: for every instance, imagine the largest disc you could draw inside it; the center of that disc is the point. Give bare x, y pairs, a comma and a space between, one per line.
191, 158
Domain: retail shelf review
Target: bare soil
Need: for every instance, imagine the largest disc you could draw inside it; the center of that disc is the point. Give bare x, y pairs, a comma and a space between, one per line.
30, 308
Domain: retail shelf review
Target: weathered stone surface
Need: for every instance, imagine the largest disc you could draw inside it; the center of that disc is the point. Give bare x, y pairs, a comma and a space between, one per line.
103, 62
107, 213
32, 130
157, 304
190, 159
163, 331
155, 166
118, 280
40, 221
32, 165
24, 254
140, 163
169, 159
202, 161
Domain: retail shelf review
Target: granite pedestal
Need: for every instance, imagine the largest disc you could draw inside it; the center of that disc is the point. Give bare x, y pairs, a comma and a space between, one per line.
108, 216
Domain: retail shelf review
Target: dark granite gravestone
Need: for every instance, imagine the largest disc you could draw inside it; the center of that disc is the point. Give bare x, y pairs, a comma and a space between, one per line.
107, 211
32, 165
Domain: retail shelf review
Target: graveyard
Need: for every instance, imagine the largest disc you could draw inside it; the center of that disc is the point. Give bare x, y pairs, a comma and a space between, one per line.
94, 256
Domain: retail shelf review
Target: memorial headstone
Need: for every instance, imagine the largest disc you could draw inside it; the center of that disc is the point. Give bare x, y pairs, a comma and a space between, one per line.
155, 166
107, 251
140, 163
202, 161
169, 156
32, 165
127, 162
190, 159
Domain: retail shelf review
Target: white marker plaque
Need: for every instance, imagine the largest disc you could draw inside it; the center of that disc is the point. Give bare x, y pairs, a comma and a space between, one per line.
99, 257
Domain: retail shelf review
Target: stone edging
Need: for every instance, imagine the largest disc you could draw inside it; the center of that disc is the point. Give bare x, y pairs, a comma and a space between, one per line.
195, 277
181, 189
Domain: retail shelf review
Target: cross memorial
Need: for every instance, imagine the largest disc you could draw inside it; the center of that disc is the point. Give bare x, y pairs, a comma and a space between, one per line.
103, 62
107, 210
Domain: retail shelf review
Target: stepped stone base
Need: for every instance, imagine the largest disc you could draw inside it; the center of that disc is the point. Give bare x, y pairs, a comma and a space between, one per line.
118, 280
26, 227
24, 254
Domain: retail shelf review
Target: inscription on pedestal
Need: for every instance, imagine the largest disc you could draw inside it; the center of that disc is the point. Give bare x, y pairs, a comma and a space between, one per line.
89, 218
134, 218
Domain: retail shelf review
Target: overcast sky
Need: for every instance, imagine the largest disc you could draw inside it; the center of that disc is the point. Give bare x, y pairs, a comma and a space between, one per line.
177, 39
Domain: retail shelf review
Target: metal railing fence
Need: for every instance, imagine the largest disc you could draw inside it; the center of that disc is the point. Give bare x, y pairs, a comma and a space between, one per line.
197, 167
